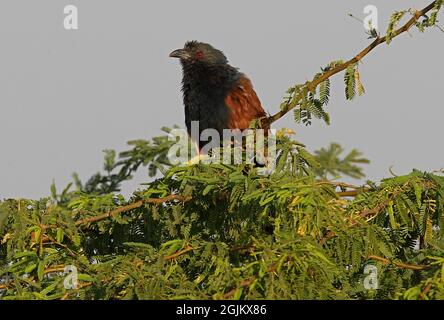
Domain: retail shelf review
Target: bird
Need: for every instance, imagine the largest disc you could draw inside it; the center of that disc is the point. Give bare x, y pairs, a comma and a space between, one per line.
215, 94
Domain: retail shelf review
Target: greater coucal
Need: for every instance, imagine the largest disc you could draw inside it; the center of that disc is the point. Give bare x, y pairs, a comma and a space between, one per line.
215, 93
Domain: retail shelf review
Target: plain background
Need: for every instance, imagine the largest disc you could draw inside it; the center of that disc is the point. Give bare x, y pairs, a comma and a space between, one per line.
67, 95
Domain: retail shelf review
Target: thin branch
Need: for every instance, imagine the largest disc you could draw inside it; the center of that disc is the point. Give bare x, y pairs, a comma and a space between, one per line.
425, 291
311, 86
339, 184
84, 285
54, 270
400, 265
126, 208
246, 283
79, 287
109, 214
70, 252
352, 193
243, 248
132, 206
178, 254
373, 212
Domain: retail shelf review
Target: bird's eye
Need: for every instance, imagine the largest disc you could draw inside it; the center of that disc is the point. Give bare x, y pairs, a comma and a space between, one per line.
199, 55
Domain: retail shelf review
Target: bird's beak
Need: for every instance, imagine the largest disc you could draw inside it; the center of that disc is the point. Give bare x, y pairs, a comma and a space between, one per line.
181, 54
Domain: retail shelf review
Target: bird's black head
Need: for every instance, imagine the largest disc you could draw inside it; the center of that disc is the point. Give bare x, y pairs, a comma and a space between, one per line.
199, 52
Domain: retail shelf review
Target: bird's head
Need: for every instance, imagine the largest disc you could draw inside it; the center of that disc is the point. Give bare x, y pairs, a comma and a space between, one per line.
199, 52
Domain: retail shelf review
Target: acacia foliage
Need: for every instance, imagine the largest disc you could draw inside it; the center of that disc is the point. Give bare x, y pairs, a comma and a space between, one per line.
223, 231
226, 232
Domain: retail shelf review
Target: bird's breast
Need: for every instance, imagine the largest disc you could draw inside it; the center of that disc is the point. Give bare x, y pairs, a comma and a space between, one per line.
204, 91
207, 108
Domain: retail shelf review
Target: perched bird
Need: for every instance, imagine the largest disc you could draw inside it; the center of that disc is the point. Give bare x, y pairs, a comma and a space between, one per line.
215, 93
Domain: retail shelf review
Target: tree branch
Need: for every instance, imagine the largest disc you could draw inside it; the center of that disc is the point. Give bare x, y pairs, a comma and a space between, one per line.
399, 264
352, 193
425, 291
126, 208
55, 269
178, 254
132, 206
311, 86
246, 283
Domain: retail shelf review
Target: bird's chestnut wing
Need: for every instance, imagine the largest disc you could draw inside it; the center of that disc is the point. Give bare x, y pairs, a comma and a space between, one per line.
244, 105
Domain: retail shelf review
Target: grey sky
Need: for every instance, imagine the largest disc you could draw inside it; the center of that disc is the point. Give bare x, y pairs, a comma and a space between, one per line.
67, 95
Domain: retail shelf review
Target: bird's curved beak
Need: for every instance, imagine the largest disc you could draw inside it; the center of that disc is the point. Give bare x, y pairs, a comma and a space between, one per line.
181, 54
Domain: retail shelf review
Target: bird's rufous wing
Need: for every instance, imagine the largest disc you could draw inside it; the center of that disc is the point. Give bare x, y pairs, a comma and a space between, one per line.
244, 104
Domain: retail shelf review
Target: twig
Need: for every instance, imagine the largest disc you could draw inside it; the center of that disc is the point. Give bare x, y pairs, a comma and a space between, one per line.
372, 212
83, 285
132, 206
392, 172
80, 286
248, 247
364, 213
339, 184
399, 264
425, 291
246, 283
178, 254
70, 252
60, 268
311, 86
352, 193
126, 208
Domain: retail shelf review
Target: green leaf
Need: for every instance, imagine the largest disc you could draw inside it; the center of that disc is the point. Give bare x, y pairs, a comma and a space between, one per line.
30, 268
394, 20
238, 293
41, 270
324, 92
359, 85
49, 288
85, 277
350, 82
391, 213
207, 190
60, 235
